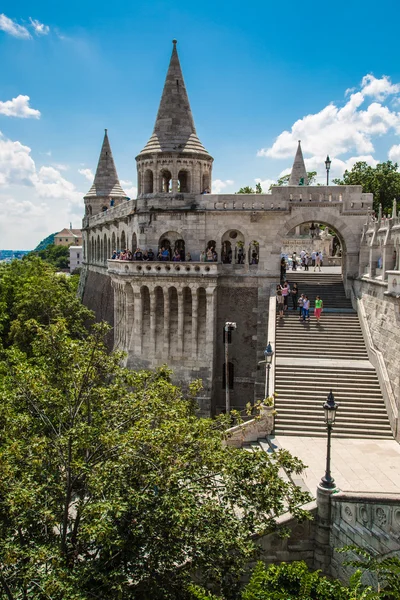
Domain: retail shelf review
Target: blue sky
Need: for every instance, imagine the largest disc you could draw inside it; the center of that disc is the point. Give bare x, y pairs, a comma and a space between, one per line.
259, 76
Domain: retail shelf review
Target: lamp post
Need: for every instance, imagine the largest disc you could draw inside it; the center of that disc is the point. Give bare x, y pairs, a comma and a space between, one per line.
327, 166
227, 329
330, 407
268, 353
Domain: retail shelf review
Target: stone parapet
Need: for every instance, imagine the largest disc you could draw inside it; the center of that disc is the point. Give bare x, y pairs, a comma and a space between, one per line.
252, 430
166, 269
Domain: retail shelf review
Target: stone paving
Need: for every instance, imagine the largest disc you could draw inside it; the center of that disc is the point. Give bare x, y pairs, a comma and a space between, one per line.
357, 465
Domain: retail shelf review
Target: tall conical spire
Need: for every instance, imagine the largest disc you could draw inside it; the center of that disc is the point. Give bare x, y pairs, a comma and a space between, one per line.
174, 129
298, 175
106, 182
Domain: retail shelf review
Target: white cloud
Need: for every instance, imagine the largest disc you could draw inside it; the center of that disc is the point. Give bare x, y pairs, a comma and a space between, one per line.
347, 130
60, 166
25, 209
88, 173
394, 153
39, 28
378, 88
218, 185
16, 164
49, 183
13, 28
19, 107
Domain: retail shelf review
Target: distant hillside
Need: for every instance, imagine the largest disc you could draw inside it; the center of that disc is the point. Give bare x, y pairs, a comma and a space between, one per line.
46, 242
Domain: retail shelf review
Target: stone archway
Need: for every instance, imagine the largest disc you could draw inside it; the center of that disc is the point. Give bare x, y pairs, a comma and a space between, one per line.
349, 239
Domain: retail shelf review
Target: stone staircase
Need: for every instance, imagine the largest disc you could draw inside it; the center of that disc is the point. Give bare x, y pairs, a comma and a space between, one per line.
328, 286
312, 358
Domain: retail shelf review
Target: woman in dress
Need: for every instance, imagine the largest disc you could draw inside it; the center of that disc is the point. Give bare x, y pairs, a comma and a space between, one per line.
279, 299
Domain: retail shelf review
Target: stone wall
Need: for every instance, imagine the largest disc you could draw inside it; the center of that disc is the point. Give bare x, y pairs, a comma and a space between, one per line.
369, 521
98, 295
382, 313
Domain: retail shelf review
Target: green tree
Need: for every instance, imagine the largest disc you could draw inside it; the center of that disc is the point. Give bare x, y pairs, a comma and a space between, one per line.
383, 181
112, 487
31, 289
246, 190
58, 256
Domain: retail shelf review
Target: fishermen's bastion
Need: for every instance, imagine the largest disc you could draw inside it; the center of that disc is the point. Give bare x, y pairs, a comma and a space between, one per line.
174, 312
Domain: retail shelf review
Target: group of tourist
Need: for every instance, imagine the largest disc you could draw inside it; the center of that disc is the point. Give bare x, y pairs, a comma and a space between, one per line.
304, 261
163, 254
300, 303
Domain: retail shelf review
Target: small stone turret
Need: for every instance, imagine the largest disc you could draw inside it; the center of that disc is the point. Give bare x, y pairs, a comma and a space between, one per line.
298, 175
174, 160
106, 190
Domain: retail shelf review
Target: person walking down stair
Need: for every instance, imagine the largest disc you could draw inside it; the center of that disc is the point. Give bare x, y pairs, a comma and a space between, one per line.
306, 309
279, 299
318, 308
300, 303
317, 262
285, 293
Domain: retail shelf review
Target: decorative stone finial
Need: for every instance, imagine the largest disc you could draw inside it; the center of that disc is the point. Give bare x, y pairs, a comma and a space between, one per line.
394, 208
174, 42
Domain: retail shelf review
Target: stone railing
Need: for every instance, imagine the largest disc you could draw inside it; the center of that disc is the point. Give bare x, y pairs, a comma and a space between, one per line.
252, 430
167, 269
115, 212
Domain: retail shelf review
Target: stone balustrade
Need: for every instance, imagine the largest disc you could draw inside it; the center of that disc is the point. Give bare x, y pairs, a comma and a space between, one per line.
167, 269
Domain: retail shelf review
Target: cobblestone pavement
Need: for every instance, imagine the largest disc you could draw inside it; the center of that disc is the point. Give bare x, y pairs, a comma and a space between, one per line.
358, 465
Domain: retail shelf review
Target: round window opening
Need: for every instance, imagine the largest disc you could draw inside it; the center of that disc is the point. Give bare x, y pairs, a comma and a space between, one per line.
233, 235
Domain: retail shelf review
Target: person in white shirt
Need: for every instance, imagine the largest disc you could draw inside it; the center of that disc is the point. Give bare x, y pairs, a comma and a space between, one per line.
313, 257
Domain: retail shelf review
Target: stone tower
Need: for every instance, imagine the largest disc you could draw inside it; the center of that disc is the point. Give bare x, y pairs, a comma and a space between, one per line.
298, 175
106, 190
174, 161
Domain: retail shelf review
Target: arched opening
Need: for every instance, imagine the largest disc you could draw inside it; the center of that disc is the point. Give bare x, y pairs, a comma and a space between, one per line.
206, 188
105, 253
148, 182
312, 246
226, 252
109, 248
165, 252
134, 242
113, 243
89, 210
165, 181
145, 296
123, 241
84, 250
179, 250
159, 318
98, 249
211, 252
173, 322
232, 247
92, 251
254, 252
118, 244
187, 321
184, 182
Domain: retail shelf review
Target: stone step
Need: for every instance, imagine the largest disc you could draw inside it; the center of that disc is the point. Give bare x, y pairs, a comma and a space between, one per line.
354, 433
286, 413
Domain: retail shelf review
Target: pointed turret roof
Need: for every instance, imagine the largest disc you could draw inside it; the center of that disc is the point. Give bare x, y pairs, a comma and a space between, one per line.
299, 169
106, 182
174, 129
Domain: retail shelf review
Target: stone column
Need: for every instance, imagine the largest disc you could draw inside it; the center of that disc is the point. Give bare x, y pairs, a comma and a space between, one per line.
137, 319
180, 321
166, 322
210, 321
323, 550
152, 322
115, 332
129, 319
195, 320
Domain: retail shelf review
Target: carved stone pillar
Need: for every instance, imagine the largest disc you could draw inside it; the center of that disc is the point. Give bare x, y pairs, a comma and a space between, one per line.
181, 316
138, 317
195, 319
152, 294
166, 322
210, 320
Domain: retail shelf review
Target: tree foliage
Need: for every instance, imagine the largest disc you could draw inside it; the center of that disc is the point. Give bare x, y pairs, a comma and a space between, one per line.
383, 181
112, 487
30, 290
58, 256
284, 180
247, 189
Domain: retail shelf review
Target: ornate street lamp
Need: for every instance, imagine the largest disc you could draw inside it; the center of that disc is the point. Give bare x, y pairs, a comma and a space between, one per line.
327, 166
330, 407
268, 353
